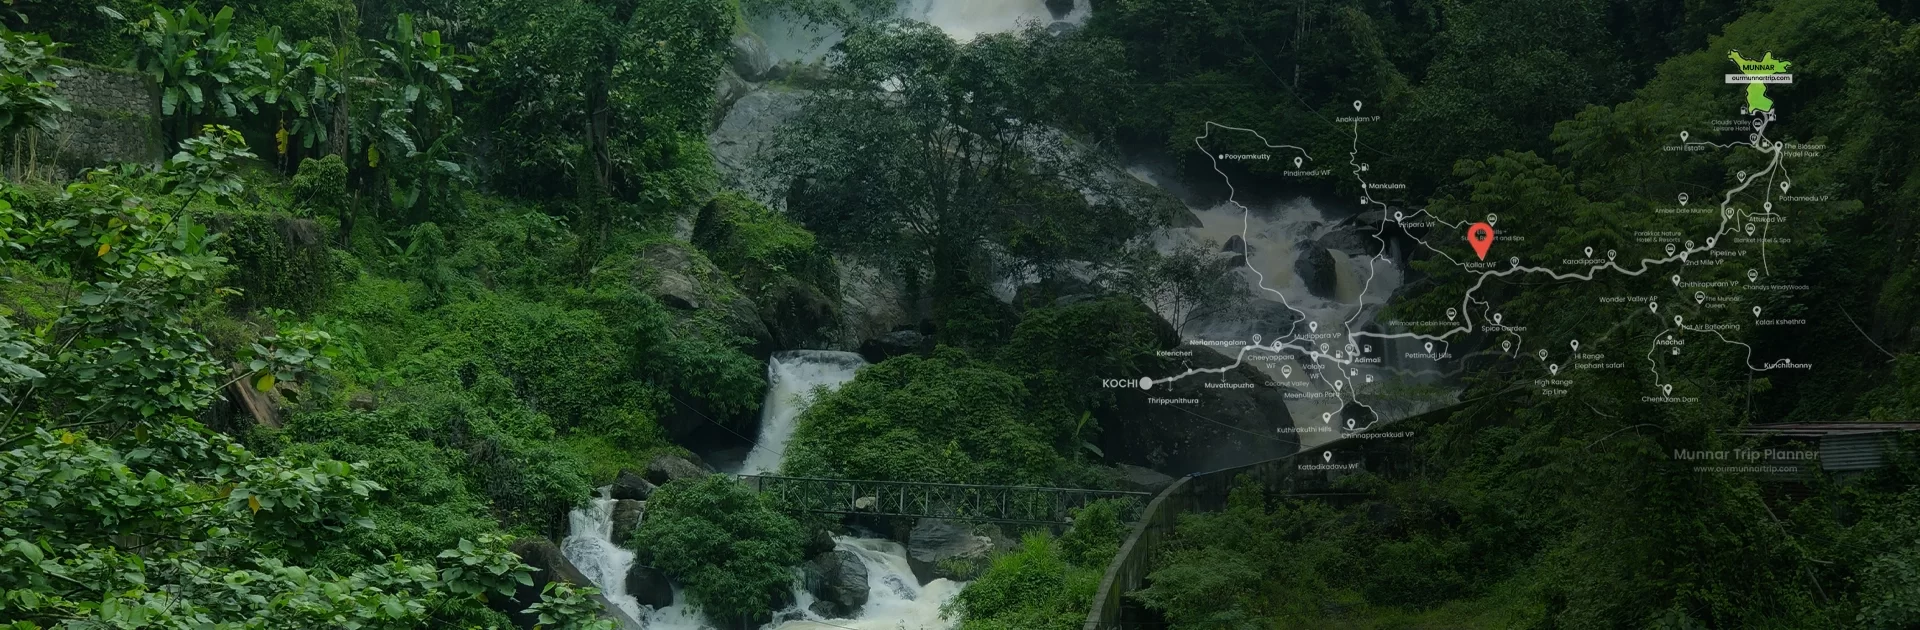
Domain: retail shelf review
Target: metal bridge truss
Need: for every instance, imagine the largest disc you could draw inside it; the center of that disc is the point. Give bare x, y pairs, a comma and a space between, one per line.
999, 504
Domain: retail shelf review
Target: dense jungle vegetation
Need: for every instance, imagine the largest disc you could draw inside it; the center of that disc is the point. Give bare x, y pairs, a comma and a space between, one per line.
412, 278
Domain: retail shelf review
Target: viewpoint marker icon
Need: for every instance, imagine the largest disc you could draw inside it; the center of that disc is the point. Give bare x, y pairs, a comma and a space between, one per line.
1256, 339
1699, 297
1543, 354
1480, 236
1753, 275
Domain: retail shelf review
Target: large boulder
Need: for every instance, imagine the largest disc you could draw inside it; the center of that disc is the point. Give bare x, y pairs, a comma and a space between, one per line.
894, 344
550, 565
874, 302
649, 586
1141, 479
838, 581
1199, 424
666, 468
728, 88
799, 315
681, 278
1315, 267
626, 518
1059, 8
751, 59
631, 486
747, 132
934, 541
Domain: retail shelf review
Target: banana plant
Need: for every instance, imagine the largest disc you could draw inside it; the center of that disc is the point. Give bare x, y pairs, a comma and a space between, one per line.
197, 63
409, 129
302, 83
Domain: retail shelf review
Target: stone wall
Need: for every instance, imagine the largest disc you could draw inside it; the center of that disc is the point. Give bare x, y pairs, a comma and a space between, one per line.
115, 118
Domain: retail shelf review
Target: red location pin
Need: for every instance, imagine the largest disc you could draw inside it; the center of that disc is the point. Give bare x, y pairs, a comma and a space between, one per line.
1480, 235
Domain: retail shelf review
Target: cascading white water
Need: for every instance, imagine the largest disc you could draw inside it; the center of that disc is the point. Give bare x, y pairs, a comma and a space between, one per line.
589, 546
895, 599
791, 379
1274, 234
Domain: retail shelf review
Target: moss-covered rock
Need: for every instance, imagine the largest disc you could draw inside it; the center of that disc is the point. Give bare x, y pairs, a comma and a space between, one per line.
777, 264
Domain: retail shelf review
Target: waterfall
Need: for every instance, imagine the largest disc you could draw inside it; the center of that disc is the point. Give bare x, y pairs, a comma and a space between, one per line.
589, 546
791, 379
895, 599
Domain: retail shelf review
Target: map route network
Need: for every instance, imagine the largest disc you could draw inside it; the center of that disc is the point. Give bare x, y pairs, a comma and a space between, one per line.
1339, 366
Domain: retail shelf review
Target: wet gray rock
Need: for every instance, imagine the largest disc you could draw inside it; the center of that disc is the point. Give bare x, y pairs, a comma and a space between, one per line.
631, 486
649, 586
934, 540
1059, 8
1141, 479
626, 518
1315, 268
666, 468
1241, 424
894, 344
751, 59
728, 88
680, 278
838, 581
747, 132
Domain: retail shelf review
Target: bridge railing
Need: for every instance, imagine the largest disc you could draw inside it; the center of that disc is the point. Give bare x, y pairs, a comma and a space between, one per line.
1303, 474
1004, 504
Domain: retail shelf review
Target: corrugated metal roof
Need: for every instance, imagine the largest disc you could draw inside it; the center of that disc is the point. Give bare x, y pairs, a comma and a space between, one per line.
1854, 451
1824, 429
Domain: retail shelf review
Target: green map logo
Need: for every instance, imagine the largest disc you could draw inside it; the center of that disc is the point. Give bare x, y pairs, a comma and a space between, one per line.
1757, 90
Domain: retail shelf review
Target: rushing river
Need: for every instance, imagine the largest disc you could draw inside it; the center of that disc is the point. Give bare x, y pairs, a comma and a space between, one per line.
895, 599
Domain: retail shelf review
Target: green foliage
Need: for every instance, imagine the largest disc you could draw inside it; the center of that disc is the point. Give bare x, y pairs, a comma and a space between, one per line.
947, 419
27, 72
1048, 583
723, 543
320, 186
1060, 349
563, 606
200, 64
756, 244
927, 150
